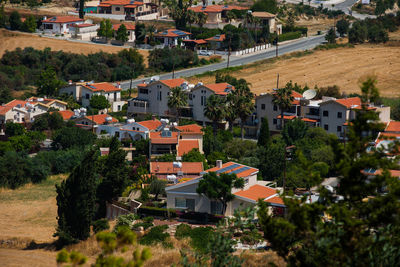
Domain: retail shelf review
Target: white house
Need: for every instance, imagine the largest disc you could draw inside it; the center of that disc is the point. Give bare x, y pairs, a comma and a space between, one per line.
84, 31
184, 196
268, 20
60, 24
20, 111
130, 29
170, 37
131, 130
94, 120
83, 92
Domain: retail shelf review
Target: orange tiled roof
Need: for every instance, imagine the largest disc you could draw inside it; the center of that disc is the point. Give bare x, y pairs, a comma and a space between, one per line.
120, 3
256, 192
83, 25
220, 88
393, 173
275, 200
130, 27
168, 168
216, 38
66, 114
100, 119
200, 41
393, 126
150, 124
13, 103
155, 138
171, 83
62, 19
387, 136
185, 146
349, 102
309, 120
262, 14
104, 86
244, 173
172, 33
292, 117
190, 129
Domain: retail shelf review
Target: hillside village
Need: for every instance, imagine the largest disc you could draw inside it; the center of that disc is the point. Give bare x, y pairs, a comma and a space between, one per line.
135, 160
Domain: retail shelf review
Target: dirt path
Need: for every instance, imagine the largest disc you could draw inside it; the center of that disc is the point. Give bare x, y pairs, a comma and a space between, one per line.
11, 40
342, 67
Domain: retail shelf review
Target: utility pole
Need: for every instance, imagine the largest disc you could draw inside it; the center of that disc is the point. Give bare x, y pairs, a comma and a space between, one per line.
277, 82
276, 45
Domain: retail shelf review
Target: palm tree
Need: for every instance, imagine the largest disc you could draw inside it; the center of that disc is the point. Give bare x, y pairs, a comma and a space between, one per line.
191, 18
201, 19
230, 110
150, 30
215, 110
177, 100
283, 98
244, 102
143, 34
230, 16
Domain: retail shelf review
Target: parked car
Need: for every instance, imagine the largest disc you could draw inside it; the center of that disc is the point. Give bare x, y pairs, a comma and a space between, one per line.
205, 53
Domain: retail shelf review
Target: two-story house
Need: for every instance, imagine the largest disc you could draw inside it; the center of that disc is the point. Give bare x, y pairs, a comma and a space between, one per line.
153, 97
130, 8
199, 95
176, 171
190, 137
184, 196
336, 113
94, 120
60, 24
131, 130
163, 142
83, 92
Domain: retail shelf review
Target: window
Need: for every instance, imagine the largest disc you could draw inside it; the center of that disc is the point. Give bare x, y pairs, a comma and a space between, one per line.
339, 128
116, 134
140, 8
325, 113
117, 9
190, 96
263, 106
158, 86
274, 121
87, 96
181, 202
203, 100
119, 107
159, 96
215, 207
339, 115
326, 127
275, 107
115, 96
143, 91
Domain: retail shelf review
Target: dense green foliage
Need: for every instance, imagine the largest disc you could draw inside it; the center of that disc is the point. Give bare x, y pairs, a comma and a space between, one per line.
156, 235
99, 102
72, 137
169, 59
358, 230
22, 68
270, 6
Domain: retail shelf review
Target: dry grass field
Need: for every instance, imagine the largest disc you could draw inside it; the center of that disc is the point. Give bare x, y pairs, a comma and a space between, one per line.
341, 66
11, 40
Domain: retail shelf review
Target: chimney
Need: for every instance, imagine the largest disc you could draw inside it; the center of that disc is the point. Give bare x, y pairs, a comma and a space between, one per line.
70, 82
153, 117
219, 163
118, 85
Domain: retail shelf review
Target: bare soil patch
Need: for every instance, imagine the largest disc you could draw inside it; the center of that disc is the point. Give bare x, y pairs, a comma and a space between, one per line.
341, 66
11, 40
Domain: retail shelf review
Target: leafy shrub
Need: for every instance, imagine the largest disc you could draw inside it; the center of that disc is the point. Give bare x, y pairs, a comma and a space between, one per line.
289, 36
156, 235
183, 230
101, 225
200, 238
126, 220
148, 219
167, 59
145, 225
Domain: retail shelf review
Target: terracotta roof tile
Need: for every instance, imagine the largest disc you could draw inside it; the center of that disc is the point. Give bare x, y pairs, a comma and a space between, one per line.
156, 138
262, 14
100, 119
200, 41
104, 86
150, 124
256, 192
275, 200
130, 27
185, 146
349, 102
216, 8
244, 173
220, 88
66, 114
173, 82
62, 19
393, 126
168, 168
172, 33
216, 38
190, 129
83, 25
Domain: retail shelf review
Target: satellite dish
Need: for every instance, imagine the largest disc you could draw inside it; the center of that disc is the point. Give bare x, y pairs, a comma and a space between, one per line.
309, 94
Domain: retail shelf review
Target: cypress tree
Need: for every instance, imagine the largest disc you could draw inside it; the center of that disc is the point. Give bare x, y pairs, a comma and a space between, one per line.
76, 199
264, 135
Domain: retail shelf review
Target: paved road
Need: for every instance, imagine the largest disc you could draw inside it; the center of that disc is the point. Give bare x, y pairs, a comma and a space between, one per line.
298, 45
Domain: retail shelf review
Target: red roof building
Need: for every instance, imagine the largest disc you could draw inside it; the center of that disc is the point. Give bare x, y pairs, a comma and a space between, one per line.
129, 27
66, 114
101, 87
152, 125
187, 145
181, 170
393, 127
190, 129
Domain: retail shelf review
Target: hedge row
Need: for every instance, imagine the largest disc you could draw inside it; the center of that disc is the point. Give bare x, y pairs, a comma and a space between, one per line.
289, 36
